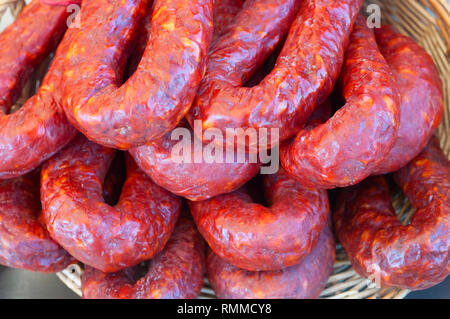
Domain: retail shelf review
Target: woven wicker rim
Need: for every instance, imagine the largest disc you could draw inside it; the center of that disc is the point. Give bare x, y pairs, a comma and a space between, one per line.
426, 21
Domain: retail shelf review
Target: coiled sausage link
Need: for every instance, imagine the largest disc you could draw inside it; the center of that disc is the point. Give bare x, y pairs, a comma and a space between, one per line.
254, 237
177, 272
195, 179
107, 238
414, 256
349, 147
39, 129
25, 44
304, 280
302, 78
24, 242
157, 96
421, 97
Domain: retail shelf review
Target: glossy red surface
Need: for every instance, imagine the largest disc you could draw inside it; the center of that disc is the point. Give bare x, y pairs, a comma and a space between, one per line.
195, 180
39, 129
421, 96
413, 256
105, 237
304, 280
255, 237
24, 241
303, 76
157, 96
348, 147
177, 272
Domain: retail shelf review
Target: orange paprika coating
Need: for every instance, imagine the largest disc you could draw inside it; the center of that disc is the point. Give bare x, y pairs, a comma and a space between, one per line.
105, 237
413, 256
176, 273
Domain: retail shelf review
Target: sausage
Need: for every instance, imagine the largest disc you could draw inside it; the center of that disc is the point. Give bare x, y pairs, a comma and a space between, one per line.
301, 80
224, 12
157, 96
177, 272
24, 241
254, 237
195, 180
201, 180
348, 147
25, 44
39, 129
302, 281
421, 97
105, 237
414, 256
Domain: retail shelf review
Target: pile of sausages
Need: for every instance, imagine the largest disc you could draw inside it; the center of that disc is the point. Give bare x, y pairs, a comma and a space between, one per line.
352, 104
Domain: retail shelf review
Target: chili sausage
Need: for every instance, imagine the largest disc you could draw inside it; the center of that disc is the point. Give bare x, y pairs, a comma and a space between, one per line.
197, 178
304, 74
24, 241
157, 96
107, 238
413, 256
254, 237
349, 146
421, 97
39, 129
302, 281
177, 272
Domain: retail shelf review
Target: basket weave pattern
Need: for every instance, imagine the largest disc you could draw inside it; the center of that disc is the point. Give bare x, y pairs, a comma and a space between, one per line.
426, 21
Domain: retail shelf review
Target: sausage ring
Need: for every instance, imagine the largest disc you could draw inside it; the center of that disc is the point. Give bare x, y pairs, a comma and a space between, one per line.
348, 147
302, 281
195, 180
192, 180
421, 97
157, 96
224, 12
107, 238
39, 129
302, 78
24, 242
414, 256
177, 272
254, 237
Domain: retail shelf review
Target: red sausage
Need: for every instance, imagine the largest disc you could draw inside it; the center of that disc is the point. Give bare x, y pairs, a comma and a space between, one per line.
24, 242
177, 272
254, 237
195, 180
39, 129
305, 280
25, 44
224, 12
414, 256
348, 147
157, 96
421, 97
302, 78
201, 180
107, 238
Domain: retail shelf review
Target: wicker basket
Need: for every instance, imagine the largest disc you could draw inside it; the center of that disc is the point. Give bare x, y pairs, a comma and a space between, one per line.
428, 22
